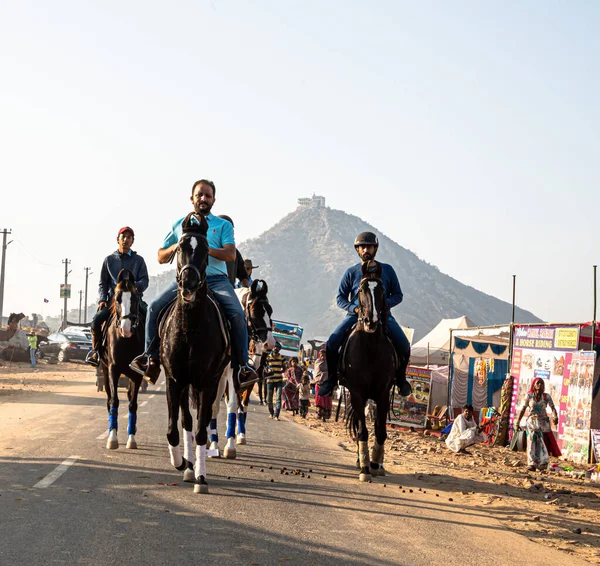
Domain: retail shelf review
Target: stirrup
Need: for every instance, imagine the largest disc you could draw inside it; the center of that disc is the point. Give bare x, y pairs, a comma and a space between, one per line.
93, 358
135, 367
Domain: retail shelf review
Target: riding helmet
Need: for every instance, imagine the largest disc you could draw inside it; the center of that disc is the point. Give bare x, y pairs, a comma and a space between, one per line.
366, 239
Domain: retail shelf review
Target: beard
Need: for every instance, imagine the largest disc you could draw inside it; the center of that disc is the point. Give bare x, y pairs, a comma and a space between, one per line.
202, 208
367, 256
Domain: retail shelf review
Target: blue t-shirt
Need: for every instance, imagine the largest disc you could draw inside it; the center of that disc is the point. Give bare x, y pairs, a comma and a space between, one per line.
220, 233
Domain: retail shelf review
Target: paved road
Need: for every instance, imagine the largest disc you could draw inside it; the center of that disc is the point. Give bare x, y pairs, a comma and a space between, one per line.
120, 507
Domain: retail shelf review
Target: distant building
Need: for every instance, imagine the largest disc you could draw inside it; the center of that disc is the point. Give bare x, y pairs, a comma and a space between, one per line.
312, 202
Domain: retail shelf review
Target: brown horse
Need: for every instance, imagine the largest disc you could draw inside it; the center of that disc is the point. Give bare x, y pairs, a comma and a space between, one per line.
124, 341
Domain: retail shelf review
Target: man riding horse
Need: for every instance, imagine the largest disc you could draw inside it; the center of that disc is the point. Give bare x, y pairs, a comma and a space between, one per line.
123, 258
222, 249
366, 245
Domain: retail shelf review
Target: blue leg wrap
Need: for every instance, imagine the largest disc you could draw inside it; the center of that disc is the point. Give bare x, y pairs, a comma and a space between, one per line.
230, 425
214, 435
113, 419
241, 423
132, 426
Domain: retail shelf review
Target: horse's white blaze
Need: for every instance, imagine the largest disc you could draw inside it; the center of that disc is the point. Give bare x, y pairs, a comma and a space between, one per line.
176, 458
188, 445
372, 286
126, 311
193, 243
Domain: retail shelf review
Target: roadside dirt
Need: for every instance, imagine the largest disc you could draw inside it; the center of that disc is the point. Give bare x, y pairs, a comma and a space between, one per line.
549, 508
19, 379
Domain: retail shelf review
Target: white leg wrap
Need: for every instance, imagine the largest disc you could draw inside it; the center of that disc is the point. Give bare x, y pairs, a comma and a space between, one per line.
231, 397
188, 445
200, 465
176, 459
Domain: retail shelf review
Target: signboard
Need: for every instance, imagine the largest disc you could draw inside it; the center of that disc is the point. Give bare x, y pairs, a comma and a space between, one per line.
288, 334
540, 351
412, 411
575, 404
65, 291
596, 444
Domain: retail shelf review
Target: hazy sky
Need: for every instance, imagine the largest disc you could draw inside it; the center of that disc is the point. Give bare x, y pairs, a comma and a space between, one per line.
468, 132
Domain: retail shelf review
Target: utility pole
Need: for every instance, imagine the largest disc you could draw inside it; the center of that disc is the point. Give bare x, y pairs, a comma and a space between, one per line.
87, 274
66, 261
5, 233
80, 294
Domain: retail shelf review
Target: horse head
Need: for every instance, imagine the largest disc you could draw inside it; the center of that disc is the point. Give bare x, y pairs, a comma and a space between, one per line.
258, 313
372, 303
192, 257
126, 304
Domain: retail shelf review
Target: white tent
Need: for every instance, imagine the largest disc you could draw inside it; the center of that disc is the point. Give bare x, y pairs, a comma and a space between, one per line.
438, 342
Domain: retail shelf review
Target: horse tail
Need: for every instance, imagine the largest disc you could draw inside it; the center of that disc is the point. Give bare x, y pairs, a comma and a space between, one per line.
351, 423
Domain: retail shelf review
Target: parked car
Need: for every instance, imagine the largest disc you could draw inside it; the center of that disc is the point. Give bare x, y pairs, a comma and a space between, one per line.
66, 346
85, 330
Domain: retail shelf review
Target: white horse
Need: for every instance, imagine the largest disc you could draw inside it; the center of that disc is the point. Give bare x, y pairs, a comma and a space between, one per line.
258, 314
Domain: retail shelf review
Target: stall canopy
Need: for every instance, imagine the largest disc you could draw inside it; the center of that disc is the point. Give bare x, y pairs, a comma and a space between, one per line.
438, 341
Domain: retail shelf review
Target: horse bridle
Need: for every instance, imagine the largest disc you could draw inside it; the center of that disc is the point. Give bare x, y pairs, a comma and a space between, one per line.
252, 329
363, 319
191, 266
135, 318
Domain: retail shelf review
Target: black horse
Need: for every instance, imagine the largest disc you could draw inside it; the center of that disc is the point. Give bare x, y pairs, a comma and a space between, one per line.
193, 352
124, 341
368, 365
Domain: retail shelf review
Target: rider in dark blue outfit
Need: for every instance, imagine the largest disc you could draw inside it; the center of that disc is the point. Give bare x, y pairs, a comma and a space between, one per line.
366, 245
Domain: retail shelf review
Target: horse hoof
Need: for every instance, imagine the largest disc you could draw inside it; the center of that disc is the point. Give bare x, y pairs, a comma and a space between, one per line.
241, 440
201, 486
229, 453
381, 471
365, 477
131, 443
188, 476
113, 441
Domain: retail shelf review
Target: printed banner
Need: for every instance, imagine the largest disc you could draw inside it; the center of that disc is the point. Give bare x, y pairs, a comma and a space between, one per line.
576, 406
596, 444
412, 411
540, 351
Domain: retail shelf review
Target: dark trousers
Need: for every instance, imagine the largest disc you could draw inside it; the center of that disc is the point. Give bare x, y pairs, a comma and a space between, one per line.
399, 340
304, 407
274, 388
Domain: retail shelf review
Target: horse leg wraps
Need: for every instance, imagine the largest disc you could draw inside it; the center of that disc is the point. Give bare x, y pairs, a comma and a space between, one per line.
241, 422
363, 453
230, 425
176, 458
377, 453
113, 419
132, 423
212, 430
200, 465
188, 445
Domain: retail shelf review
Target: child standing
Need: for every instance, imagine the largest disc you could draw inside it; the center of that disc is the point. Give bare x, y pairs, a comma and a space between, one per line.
304, 393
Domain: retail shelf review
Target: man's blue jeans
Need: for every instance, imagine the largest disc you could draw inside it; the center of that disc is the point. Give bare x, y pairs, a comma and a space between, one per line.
32, 357
334, 342
225, 295
274, 388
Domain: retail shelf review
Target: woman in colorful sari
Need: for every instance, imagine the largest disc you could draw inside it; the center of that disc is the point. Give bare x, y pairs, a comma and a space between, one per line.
292, 377
540, 438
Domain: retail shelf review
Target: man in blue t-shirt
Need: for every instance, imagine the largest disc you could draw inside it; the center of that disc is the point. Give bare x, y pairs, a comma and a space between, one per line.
366, 245
221, 249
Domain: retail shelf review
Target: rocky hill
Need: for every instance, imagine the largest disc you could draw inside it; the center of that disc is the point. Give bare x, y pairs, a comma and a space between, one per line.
305, 254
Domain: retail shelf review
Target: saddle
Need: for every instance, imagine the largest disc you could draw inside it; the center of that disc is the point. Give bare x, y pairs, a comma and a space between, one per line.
223, 322
344, 348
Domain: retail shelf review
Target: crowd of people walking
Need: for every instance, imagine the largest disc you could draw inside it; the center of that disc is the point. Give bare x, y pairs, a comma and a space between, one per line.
291, 385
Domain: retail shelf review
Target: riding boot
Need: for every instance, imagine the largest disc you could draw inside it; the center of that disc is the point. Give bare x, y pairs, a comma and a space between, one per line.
401, 381
93, 356
148, 368
244, 377
327, 387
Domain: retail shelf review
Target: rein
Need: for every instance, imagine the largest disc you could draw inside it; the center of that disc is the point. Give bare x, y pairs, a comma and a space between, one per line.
191, 266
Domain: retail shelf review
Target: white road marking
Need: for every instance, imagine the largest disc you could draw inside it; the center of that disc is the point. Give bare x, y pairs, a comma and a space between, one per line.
103, 435
151, 396
157, 389
143, 404
57, 472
